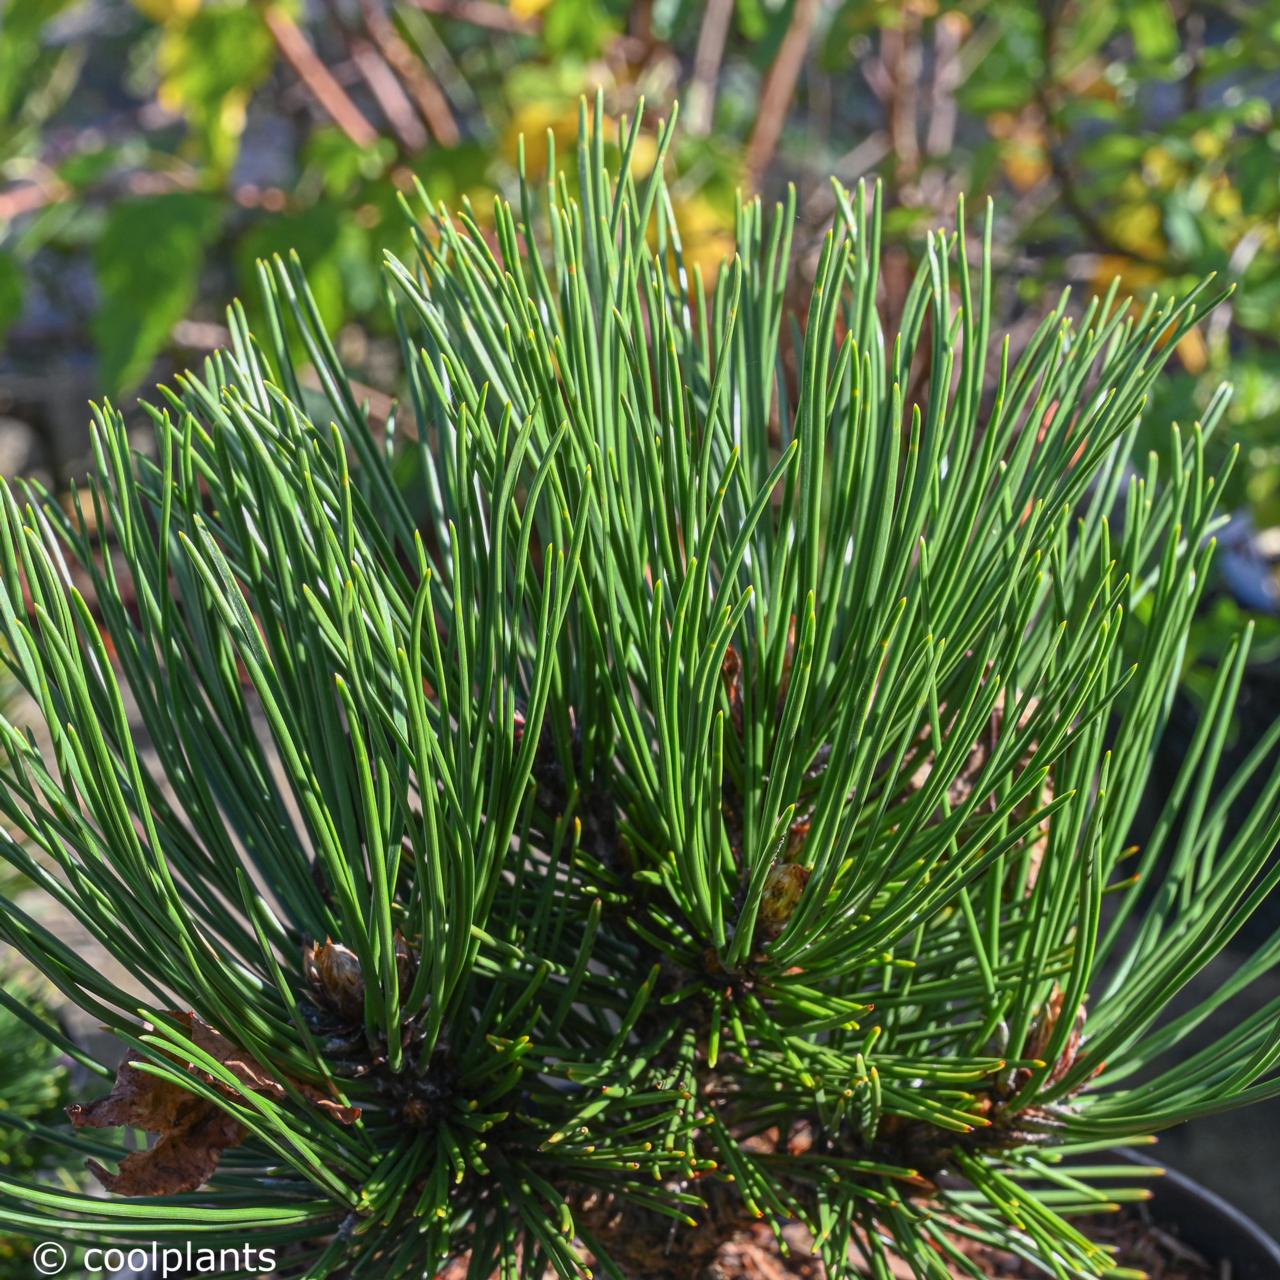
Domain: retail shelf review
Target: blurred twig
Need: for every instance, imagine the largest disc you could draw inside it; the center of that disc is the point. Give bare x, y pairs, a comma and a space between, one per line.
480, 13
948, 74
418, 81
900, 56
779, 86
328, 93
389, 92
29, 197
701, 94
497, 17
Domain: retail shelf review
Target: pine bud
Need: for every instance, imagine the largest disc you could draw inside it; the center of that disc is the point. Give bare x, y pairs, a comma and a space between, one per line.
334, 971
782, 889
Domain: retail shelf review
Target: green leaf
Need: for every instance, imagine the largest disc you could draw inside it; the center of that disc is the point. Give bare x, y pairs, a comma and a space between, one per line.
210, 67
12, 288
1155, 35
341, 165
575, 27
753, 21
23, 26
148, 263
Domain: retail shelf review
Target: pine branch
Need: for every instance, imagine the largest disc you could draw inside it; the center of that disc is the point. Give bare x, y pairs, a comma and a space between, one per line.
717, 805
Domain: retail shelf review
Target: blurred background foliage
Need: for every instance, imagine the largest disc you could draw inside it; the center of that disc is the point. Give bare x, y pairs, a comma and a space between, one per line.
33, 1089
152, 150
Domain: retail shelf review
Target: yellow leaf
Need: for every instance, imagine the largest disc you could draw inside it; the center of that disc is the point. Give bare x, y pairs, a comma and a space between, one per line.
1024, 155
525, 9
167, 10
706, 234
1138, 227
1160, 169
1224, 201
643, 155
533, 119
1207, 143
1192, 351
1135, 277
1025, 165
560, 116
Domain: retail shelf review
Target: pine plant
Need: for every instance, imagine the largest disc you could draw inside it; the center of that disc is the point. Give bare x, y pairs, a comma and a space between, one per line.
677, 771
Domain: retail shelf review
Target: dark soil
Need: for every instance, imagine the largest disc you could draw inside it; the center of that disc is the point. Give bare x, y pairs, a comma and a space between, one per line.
1139, 1244
752, 1253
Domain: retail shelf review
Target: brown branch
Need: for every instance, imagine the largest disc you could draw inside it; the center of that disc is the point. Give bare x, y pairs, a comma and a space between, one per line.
877, 78
390, 95
298, 53
480, 13
779, 86
31, 196
947, 76
420, 83
821, 201
496, 17
900, 54
642, 24
701, 94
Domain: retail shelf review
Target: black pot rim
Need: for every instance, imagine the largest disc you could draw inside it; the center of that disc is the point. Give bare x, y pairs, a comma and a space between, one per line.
1209, 1223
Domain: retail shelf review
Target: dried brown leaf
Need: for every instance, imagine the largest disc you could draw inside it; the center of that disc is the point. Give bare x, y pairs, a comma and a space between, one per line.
183, 1157
193, 1132
731, 677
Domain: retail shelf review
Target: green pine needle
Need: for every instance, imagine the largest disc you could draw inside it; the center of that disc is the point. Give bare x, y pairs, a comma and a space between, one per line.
679, 768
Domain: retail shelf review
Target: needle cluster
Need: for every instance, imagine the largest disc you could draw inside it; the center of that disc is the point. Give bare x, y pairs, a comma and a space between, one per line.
679, 768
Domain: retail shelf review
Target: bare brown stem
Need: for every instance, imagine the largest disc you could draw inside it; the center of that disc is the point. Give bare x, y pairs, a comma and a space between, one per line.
417, 79
480, 13
391, 97
900, 53
327, 92
779, 87
701, 94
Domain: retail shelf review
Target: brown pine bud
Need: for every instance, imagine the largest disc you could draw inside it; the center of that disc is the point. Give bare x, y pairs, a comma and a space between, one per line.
782, 889
334, 971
